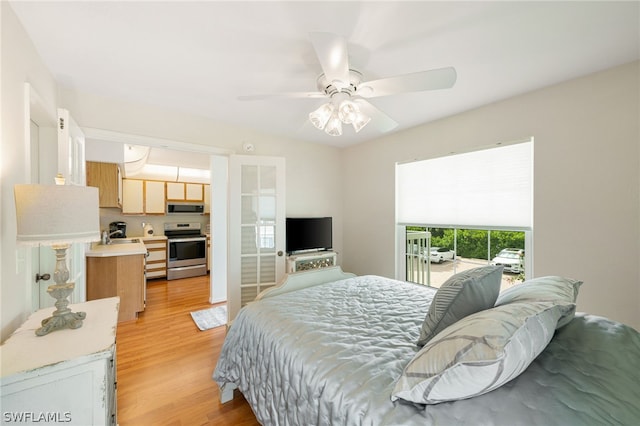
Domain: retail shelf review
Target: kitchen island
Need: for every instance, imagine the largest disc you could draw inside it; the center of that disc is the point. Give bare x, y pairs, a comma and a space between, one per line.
117, 269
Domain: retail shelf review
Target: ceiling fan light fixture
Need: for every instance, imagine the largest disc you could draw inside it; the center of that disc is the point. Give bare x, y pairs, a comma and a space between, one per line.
321, 116
348, 111
360, 121
348, 91
334, 125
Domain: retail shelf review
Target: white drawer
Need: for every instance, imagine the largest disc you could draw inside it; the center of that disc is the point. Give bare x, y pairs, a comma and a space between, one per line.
155, 255
156, 245
157, 273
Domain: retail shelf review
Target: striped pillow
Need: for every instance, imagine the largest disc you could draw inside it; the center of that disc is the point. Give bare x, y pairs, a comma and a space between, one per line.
479, 353
554, 289
463, 294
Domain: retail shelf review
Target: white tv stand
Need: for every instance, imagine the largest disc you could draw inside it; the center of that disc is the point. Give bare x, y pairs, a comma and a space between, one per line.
311, 260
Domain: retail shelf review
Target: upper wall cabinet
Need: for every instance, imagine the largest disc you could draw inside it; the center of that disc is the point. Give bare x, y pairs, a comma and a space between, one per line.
154, 197
133, 196
175, 191
143, 197
149, 197
179, 191
107, 178
194, 192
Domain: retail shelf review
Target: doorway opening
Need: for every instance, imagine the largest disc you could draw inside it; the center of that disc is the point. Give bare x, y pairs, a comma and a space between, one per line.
217, 192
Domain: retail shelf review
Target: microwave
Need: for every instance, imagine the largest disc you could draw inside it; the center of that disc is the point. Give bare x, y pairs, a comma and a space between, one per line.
185, 208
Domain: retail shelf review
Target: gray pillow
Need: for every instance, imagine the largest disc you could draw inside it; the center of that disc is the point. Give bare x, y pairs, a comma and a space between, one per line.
479, 353
463, 294
558, 290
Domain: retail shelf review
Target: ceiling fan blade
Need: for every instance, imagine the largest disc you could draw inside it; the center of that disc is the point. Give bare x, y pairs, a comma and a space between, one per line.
331, 50
379, 119
442, 78
290, 95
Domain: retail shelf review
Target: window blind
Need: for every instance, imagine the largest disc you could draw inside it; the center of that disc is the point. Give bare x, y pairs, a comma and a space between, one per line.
491, 188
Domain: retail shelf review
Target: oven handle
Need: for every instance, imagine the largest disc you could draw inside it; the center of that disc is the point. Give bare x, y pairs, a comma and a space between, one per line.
183, 240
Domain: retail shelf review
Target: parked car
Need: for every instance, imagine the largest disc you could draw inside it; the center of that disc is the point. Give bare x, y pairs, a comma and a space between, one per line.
511, 258
440, 254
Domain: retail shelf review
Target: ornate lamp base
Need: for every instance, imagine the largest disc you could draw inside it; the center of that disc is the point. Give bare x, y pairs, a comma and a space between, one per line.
62, 317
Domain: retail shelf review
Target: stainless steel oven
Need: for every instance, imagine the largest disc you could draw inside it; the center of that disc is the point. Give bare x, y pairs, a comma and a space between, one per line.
186, 250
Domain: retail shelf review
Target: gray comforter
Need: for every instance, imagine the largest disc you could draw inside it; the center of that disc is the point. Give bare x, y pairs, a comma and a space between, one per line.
330, 355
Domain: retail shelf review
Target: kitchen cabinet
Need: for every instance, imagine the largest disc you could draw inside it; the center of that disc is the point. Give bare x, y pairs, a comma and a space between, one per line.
108, 179
181, 191
154, 197
207, 199
175, 191
156, 265
123, 276
143, 197
69, 373
132, 196
194, 192
150, 197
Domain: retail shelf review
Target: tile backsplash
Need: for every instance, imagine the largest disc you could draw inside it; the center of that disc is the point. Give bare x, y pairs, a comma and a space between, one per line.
134, 223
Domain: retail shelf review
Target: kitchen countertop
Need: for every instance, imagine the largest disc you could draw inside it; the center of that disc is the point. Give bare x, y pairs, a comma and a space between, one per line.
127, 249
153, 237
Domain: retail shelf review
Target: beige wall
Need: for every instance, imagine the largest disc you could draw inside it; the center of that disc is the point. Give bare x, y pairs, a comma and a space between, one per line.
586, 184
314, 181
313, 171
587, 178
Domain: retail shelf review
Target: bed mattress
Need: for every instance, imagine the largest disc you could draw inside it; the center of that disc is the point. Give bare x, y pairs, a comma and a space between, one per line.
330, 355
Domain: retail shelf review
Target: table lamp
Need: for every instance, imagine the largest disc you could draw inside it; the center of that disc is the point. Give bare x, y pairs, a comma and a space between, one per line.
57, 216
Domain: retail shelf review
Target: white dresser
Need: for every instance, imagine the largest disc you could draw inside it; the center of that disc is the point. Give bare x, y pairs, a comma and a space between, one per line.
67, 376
308, 261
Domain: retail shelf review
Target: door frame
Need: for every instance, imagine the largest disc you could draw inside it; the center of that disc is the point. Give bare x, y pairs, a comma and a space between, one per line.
70, 151
218, 219
45, 119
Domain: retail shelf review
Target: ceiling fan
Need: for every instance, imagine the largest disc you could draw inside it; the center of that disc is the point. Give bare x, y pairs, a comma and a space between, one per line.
347, 92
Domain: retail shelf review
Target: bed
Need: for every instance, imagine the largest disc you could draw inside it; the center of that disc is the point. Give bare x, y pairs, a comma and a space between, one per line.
330, 348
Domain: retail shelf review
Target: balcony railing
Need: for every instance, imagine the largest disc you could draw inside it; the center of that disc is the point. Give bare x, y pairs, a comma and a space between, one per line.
417, 247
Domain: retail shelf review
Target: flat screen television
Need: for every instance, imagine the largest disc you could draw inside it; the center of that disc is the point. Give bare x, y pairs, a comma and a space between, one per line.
309, 234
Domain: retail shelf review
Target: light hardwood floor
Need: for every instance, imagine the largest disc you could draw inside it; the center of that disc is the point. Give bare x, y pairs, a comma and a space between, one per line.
165, 363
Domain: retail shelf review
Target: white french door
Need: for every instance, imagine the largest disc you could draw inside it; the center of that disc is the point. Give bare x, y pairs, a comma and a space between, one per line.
256, 227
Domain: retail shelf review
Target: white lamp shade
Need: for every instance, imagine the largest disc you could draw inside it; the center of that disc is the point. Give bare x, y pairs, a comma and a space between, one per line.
348, 111
334, 126
320, 116
360, 121
56, 214
341, 110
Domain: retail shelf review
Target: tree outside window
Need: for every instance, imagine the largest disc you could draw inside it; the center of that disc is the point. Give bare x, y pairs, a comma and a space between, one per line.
474, 248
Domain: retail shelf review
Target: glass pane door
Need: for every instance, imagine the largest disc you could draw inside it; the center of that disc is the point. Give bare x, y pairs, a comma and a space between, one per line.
257, 262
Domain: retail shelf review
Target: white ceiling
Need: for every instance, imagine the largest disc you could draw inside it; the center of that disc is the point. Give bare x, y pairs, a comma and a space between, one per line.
197, 57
